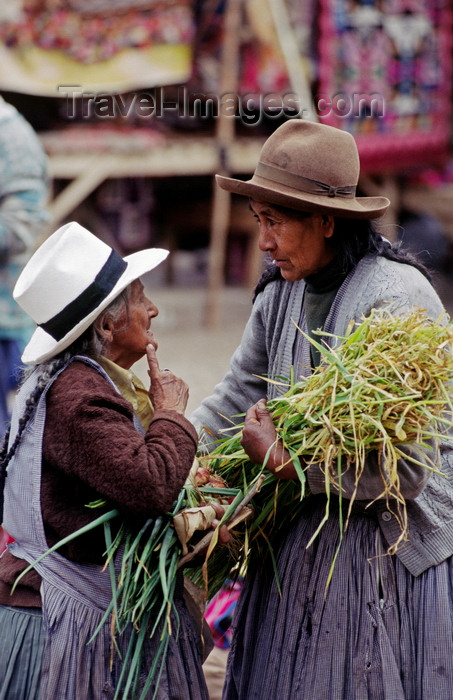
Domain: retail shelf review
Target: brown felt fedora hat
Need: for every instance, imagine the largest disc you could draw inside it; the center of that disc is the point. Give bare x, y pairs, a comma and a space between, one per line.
311, 167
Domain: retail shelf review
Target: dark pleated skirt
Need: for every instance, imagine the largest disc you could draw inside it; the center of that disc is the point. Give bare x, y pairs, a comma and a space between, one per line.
21, 646
183, 677
375, 633
21, 656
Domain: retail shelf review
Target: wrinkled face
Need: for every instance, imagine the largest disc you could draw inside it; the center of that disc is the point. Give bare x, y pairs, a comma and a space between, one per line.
131, 333
299, 246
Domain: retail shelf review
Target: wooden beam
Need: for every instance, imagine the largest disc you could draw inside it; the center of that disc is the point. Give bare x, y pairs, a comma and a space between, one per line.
225, 131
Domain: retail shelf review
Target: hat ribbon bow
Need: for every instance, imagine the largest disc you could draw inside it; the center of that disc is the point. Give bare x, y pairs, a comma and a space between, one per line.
304, 184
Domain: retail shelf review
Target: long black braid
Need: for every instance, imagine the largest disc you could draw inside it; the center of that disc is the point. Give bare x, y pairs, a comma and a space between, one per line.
89, 344
47, 370
352, 239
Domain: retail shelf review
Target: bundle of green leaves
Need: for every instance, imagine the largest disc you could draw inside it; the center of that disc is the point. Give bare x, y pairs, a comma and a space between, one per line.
385, 385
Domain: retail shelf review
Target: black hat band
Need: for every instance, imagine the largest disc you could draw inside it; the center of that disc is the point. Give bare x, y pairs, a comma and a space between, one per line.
80, 307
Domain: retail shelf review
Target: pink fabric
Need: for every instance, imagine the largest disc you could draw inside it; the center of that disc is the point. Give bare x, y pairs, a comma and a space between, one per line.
4, 539
219, 613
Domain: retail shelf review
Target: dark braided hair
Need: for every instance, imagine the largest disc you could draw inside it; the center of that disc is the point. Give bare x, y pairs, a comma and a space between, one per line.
89, 344
352, 239
355, 238
46, 371
49, 369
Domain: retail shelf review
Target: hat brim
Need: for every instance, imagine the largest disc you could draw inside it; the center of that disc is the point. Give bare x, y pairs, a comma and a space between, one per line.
43, 346
261, 190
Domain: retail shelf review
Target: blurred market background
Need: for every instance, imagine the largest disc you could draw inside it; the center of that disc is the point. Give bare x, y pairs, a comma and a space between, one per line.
139, 102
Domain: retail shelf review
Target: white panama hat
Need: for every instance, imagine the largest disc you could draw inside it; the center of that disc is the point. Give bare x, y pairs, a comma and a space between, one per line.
68, 281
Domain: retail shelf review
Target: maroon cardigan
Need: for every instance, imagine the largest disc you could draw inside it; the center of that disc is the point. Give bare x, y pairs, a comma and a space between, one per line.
92, 450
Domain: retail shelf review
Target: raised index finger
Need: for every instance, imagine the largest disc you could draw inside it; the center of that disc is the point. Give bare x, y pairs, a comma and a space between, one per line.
154, 369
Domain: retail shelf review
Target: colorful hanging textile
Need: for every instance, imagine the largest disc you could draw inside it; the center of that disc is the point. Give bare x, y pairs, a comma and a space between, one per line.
116, 45
384, 75
262, 67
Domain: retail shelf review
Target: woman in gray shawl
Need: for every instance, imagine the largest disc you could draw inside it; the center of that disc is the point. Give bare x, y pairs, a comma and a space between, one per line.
383, 628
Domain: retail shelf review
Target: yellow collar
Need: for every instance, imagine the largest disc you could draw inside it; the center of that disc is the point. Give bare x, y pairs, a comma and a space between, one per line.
131, 388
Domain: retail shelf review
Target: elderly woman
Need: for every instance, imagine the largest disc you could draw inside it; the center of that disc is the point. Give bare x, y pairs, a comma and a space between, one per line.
383, 628
85, 428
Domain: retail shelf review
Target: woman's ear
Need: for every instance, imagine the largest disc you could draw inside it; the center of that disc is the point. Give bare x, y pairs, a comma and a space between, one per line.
328, 224
105, 327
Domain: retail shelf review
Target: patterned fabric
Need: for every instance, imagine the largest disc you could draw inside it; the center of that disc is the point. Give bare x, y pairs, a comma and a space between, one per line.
219, 613
384, 71
98, 33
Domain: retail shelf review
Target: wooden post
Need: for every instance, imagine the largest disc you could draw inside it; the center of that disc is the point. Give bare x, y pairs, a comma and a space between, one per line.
293, 61
225, 132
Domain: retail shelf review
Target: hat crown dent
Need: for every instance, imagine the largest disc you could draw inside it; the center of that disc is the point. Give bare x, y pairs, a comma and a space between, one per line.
317, 152
52, 273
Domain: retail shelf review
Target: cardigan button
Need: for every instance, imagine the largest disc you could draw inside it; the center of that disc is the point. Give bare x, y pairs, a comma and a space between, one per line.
386, 516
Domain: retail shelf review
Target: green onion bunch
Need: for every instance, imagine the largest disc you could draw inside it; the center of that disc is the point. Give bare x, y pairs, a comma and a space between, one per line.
385, 384
143, 570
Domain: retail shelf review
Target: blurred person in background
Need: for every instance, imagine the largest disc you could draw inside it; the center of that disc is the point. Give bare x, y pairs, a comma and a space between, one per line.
23, 197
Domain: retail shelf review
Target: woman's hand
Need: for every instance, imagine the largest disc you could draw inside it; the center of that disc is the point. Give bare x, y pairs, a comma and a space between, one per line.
258, 435
224, 533
201, 539
166, 391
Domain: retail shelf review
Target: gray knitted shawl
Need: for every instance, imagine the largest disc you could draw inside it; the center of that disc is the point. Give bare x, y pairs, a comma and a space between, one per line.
267, 349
